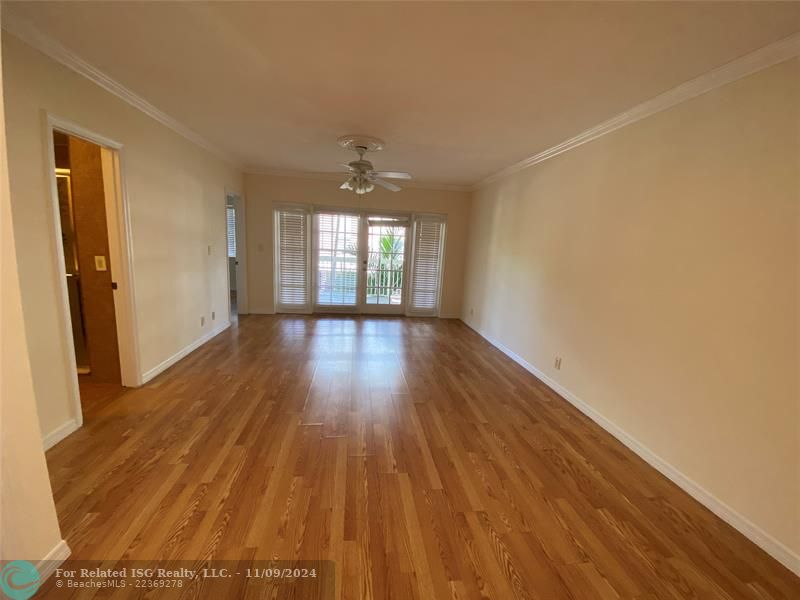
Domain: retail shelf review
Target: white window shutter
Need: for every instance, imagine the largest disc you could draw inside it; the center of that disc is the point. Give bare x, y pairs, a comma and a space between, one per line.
426, 266
292, 273
230, 213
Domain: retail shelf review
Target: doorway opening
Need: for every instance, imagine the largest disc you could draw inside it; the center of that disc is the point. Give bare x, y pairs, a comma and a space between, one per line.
93, 257
87, 261
237, 257
230, 225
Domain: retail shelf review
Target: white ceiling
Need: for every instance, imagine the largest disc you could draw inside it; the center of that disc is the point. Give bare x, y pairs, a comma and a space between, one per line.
458, 90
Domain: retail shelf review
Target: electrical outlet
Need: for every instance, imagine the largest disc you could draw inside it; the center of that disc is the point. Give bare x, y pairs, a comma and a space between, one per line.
202, 321
557, 363
213, 315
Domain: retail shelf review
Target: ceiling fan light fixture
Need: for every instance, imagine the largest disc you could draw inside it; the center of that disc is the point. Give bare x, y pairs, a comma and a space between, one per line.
363, 176
364, 186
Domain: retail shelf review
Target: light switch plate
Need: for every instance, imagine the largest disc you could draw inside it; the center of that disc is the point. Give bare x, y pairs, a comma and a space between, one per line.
100, 263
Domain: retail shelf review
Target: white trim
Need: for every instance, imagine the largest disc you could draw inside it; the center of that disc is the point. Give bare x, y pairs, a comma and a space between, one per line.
60, 433
743, 66
779, 551
54, 559
60, 271
121, 254
166, 364
31, 35
124, 298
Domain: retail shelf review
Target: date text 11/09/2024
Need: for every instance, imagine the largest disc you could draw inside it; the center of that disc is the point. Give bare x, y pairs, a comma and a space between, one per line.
183, 573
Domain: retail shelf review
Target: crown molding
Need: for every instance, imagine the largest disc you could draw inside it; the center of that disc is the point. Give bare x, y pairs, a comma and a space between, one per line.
760, 59
32, 36
442, 187
748, 64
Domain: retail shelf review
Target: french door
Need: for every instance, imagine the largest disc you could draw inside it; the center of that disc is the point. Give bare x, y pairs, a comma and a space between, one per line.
336, 251
357, 262
384, 265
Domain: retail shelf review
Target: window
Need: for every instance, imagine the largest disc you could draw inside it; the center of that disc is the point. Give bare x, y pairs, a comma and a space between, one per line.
291, 261
337, 259
359, 262
231, 219
426, 266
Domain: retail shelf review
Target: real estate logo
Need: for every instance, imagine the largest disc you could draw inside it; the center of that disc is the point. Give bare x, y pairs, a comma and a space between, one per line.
19, 579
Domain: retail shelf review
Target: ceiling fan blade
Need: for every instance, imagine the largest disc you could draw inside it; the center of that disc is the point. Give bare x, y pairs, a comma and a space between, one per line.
385, 184
346, 166
392, 174
344, 186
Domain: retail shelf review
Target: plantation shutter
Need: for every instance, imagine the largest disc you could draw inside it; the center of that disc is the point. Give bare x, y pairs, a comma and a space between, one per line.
292, 290
426, 266
231, 218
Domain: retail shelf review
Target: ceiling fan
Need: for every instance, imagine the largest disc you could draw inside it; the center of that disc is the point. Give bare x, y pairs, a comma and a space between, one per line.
363, 177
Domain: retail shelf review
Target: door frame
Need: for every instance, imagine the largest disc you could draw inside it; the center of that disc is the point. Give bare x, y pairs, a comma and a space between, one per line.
383, 309
124, 296
314, 262
309, 211
360, 307
235, 200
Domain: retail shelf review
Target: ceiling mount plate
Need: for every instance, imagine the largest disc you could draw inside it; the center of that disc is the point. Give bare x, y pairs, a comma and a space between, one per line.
361, 143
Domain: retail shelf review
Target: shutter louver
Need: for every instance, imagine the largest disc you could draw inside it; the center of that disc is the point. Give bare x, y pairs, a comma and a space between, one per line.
292, 281
426, 267
231, 218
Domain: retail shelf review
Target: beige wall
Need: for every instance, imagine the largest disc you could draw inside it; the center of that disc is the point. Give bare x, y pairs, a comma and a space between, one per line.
176, 194
27, 513
661, 263
262, 191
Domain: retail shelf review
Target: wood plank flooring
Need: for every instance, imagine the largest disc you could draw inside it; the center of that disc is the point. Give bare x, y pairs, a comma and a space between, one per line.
410, 452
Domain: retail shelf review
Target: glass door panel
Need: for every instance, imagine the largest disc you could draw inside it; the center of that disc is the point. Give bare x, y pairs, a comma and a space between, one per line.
385, 263
336, 258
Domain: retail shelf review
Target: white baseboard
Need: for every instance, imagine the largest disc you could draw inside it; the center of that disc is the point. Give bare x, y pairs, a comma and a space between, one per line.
163, 366
775, 548
48, 565
59, 433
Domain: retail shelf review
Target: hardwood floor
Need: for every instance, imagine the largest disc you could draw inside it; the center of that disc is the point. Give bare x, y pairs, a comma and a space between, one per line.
410, 452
